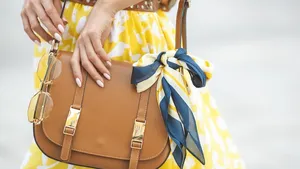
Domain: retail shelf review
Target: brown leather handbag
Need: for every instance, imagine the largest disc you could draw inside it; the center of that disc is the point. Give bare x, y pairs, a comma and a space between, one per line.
111, 128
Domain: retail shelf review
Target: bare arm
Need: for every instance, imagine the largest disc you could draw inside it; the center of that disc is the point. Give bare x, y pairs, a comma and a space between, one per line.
89, 50
116, 5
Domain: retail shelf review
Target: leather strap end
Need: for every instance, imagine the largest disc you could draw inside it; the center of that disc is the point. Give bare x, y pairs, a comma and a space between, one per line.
134, 158
66, 148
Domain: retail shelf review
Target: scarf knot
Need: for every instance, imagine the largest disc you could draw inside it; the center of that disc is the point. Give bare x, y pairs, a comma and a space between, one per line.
173, 70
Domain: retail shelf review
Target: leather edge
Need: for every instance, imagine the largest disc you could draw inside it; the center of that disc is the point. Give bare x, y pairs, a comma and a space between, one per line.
49, 156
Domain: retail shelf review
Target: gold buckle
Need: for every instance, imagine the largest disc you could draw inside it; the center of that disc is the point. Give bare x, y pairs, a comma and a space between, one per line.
72, 133
138, 134
71, 122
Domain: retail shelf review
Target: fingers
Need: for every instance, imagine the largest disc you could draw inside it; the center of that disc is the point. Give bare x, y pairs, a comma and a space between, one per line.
88, 66
97, 46
56, 26
36, 26
58, 5
94, 59
28, 30
45, 19
36, 12
75, 66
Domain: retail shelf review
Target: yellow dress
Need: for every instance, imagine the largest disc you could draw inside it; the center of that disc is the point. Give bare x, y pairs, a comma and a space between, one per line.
133, 35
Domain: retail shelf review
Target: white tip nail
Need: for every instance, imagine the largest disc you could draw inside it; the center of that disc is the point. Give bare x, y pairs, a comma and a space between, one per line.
108, 62
57, 36
106, 76
61, 28
37, 42
78, 82
100, 83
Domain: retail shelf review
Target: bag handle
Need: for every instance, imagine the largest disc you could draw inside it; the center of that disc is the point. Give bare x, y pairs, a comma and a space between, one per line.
181, 36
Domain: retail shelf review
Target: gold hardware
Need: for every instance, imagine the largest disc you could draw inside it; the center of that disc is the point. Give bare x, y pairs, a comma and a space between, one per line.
72, 121
138, 134
54, 46
72, 133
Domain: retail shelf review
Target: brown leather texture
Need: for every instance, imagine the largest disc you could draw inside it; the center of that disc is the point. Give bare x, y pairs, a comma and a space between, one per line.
104, 131
145, 5
181, 30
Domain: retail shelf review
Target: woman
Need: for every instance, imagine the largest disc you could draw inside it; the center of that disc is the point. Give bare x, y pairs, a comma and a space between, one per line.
107, 31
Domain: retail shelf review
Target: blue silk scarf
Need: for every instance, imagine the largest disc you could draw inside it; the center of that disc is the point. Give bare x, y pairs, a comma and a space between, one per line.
171, 70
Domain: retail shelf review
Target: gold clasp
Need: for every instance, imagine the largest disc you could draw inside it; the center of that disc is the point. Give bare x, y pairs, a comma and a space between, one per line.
72, 120
138, 134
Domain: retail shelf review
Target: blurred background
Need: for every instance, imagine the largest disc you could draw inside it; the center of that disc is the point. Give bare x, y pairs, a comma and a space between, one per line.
255, 48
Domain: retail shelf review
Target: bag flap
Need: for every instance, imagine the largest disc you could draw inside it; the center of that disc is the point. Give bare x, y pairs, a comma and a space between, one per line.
107, 117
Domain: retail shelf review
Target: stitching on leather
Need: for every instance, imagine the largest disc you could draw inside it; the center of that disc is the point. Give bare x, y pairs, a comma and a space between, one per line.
86, 79
137, 158
146, 106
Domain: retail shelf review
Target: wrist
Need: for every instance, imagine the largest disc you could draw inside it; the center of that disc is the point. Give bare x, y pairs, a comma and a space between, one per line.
107, 6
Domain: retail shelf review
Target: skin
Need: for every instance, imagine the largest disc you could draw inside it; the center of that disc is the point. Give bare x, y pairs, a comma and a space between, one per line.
89, 52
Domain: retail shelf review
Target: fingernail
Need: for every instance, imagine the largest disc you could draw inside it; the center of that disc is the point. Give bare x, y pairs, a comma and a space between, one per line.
106, 76
50, 41
78, 82
61, 28
37, 42
109, 63
65, 21
57, 36
100, 83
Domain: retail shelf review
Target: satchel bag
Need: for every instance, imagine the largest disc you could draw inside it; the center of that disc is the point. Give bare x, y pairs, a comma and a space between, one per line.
114, 127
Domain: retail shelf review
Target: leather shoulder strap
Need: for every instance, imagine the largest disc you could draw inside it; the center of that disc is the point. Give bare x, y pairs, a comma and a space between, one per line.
139, 129
73, 118
181, 37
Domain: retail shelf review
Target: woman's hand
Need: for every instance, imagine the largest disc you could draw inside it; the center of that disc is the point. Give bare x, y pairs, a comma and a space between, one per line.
89, 50
46, 12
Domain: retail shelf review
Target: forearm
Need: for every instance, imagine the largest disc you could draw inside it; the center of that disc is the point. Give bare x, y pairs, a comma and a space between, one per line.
116, 5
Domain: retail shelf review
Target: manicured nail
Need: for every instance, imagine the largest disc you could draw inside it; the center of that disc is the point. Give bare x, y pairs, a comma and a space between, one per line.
65, 21
106, 76
50, 42
61, 28
37, 42
78, 82
100, 83
57, 36
109, 63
